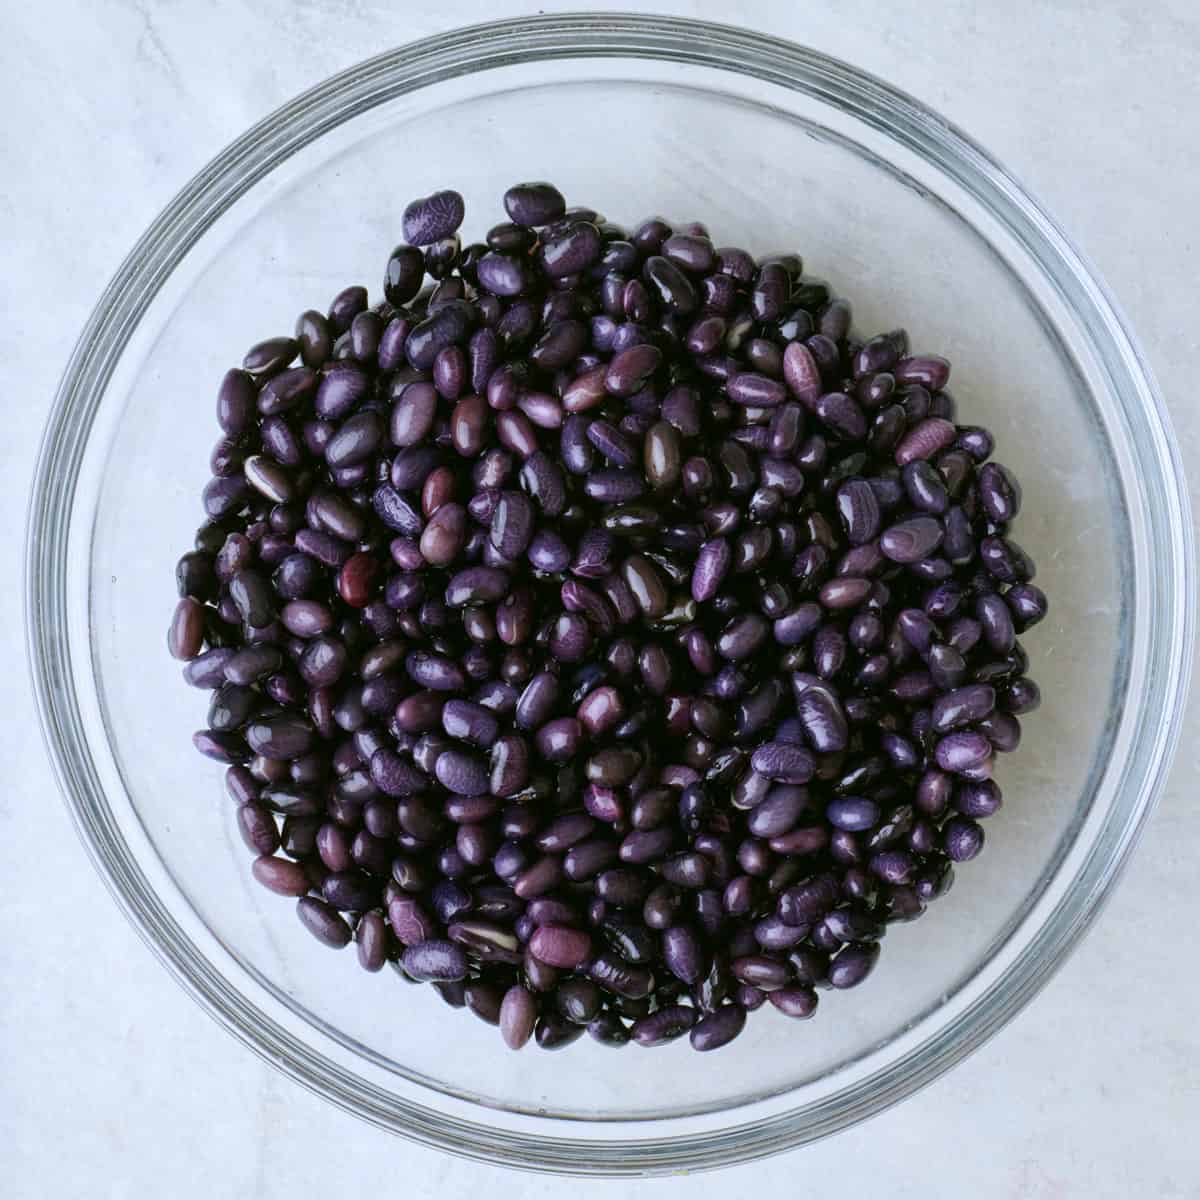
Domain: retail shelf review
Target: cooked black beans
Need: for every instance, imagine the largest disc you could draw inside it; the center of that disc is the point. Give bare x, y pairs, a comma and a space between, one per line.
604, 634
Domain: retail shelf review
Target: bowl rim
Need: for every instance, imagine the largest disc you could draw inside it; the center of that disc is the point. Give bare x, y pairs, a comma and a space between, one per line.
479, 48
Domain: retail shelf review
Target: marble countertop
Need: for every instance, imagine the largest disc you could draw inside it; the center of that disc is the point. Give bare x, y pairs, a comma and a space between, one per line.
112, 1083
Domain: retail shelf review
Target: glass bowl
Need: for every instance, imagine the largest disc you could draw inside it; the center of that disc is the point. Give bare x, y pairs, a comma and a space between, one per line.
774, 147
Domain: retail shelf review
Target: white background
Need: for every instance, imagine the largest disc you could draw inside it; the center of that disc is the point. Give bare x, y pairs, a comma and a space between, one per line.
112, 1083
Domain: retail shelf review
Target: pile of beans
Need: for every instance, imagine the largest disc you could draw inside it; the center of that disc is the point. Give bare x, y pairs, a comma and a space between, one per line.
599, 630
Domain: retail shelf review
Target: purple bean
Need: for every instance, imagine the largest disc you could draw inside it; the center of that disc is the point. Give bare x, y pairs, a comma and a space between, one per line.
962, 706
435, 959
755, 391
959, 753
371, 940
665, 1025
560, 946
783, 762
718, 1028
432, 217
236, 403
280, 876
518, 1015
620, 978
556, 565
853, 964
323, 922
185, 638
794, 1001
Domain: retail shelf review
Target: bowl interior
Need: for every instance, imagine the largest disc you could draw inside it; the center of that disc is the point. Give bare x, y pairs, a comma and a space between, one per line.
632, 139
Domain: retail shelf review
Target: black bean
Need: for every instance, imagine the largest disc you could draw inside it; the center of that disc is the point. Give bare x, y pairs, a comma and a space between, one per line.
554, 1031
859, 510
718, 1028
323, 922
620, 978
853, 964
665, 1025
556, 565
783, 762
432, 217
350, 890
518, 1015
435, 959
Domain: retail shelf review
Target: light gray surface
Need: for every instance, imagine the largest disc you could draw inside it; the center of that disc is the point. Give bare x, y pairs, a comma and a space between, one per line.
112, 1083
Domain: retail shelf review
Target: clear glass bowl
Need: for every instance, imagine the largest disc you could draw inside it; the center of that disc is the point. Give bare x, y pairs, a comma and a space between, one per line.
775, 147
